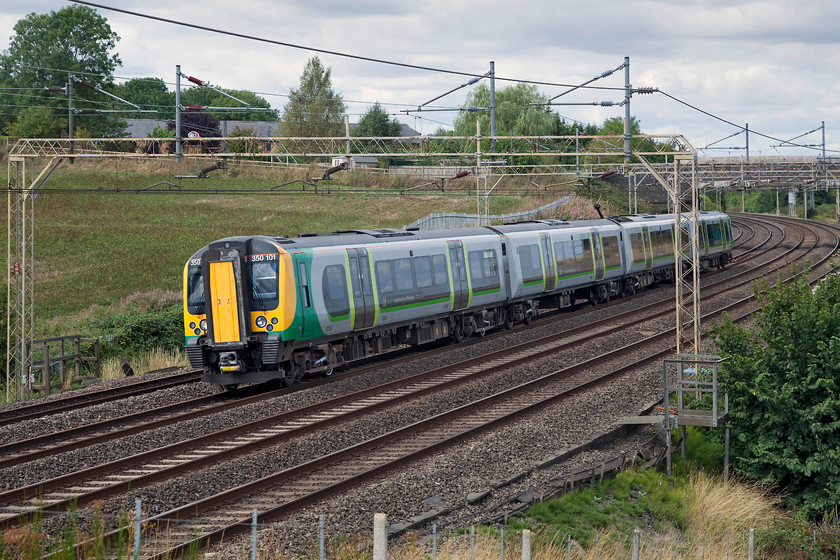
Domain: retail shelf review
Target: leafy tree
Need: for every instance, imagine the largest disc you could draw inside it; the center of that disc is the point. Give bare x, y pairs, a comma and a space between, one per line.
518, 112
783, 380
314, 109
210, 98
46, 47
148, 93
37, 122
375, 122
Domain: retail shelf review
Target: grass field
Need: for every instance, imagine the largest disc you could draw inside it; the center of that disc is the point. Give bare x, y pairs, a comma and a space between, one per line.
98, 242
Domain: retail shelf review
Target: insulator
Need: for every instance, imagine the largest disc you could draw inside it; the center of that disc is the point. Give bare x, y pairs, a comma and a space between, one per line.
195, 80
645, 90
196, 107
88, 111
55, 88
87, 84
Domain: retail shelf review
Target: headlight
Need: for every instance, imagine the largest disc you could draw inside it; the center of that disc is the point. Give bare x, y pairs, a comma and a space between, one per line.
192, 325
203, 325
274, 320
269, 328
261, 322
197, 332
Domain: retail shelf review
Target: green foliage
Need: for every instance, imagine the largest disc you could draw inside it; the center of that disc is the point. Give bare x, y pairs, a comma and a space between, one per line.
375, 122
37, 122
149, 94
518, 112
211, 98
313, 109
160, 132
46, 47
136, 331
617, 503
783, 379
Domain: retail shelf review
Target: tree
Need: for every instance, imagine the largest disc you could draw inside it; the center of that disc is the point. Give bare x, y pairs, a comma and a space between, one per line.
47, 47
211, 98
37, 122
375, 122
202, 123
314, 109
519, 112
149, 94
783, 381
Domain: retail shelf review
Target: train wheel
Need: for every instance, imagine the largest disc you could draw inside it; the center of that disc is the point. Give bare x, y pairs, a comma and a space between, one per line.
232, 387
509, 322
287, 378
457, 333
328, 372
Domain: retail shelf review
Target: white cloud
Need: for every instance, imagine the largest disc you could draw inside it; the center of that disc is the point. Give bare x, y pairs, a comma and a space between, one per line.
768, 63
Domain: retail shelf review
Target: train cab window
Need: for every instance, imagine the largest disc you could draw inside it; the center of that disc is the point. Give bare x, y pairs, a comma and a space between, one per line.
336, 298
195, 291
264, 284
423, 271
531, 264
441, 270
403, 274
384, 277
612, 253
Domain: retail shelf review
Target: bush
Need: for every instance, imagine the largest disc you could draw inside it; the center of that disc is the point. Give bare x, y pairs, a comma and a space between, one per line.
135, 331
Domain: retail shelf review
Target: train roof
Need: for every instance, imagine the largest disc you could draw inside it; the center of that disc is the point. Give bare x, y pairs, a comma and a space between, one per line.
386, 235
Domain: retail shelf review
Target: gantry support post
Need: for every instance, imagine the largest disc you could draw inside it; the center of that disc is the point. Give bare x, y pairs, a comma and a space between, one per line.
20, 252
686, 250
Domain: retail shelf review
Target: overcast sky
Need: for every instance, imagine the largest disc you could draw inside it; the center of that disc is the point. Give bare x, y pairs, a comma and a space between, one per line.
773, 64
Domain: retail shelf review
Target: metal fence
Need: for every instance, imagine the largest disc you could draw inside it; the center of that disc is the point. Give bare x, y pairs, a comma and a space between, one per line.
449, 220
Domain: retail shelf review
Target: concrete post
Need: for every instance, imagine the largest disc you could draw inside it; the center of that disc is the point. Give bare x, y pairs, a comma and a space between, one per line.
526, 544
380, 537
637, 541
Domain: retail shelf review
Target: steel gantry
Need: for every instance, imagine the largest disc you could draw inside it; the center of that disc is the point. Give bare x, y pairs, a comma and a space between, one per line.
670, 159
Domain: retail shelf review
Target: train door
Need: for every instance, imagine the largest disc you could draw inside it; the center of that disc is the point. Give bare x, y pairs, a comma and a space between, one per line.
224, 302
548, 263
459, 275
597, 254
648, 248
362, 287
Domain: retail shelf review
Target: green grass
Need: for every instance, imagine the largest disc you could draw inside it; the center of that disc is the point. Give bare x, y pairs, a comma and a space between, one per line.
97, 248
617, 504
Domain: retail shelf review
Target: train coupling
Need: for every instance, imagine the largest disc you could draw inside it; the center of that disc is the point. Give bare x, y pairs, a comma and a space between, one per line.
228, 362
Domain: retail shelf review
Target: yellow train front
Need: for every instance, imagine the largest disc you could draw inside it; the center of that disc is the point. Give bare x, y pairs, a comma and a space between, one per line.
239, 302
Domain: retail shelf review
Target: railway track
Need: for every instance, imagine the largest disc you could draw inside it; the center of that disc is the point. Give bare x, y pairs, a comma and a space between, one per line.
228, 513
354, 402
45, 445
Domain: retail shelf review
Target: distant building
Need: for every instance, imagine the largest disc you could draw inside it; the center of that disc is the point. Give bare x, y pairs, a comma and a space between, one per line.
356, 162
141, 128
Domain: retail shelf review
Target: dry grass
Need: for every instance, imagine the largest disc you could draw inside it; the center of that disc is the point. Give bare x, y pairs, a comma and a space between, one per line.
147, 361
719, 519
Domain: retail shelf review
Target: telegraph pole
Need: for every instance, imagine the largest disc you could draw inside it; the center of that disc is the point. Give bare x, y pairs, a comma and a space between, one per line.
493, 107
178, 112
627, 93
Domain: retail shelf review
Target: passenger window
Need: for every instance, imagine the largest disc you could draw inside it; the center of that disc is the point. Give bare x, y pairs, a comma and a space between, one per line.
335, 291
440, 269
384, 277
529, 261
402, 271
423, 271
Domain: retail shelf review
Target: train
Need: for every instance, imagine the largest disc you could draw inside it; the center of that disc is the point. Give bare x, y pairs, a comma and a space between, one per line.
266, 308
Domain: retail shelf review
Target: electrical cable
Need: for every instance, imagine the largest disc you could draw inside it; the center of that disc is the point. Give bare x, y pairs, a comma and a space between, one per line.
730, 123
324, 51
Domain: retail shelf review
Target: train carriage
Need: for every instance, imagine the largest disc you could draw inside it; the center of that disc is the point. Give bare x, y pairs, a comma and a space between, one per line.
259, 308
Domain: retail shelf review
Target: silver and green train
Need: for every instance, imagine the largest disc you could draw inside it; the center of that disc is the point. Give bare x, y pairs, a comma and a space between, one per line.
261, 308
